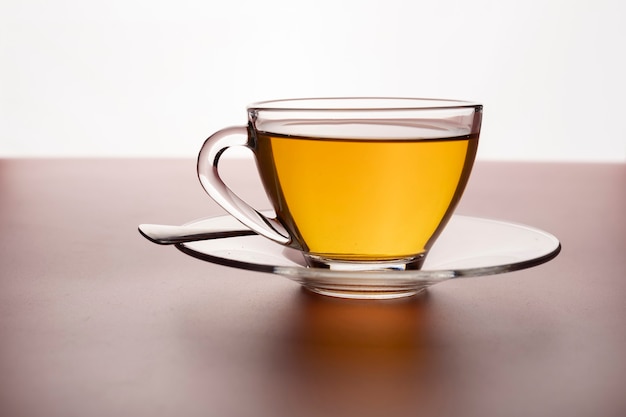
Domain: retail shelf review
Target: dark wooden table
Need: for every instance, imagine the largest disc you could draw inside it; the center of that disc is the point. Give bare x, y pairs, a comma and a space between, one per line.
97, 321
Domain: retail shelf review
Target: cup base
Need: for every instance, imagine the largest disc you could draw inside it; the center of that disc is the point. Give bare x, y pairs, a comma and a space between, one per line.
348, 289
402, 264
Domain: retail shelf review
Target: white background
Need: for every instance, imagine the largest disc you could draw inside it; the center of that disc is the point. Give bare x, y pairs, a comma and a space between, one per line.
154, 78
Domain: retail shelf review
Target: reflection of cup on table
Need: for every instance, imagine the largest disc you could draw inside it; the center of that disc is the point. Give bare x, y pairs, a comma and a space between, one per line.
356, 183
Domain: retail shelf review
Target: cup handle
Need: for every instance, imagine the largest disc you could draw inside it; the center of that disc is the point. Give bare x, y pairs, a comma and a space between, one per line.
208, 159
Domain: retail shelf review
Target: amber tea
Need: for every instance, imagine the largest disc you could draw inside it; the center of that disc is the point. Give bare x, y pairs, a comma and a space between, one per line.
363, 200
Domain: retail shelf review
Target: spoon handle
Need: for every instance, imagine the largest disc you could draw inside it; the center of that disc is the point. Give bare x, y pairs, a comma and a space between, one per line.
169, 235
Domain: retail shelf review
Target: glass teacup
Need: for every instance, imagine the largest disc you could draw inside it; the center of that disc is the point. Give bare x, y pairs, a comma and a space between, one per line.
356, 183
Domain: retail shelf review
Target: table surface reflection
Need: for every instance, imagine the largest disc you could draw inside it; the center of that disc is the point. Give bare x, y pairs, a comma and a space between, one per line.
97, 321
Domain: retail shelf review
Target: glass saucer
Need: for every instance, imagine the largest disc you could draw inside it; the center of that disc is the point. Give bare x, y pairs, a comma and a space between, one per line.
468, 247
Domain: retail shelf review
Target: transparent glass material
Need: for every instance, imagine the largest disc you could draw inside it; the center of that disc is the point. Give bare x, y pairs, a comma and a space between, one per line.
468, 247
356, 183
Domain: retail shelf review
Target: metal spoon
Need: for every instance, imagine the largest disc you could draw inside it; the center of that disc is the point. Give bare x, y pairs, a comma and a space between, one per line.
169, 235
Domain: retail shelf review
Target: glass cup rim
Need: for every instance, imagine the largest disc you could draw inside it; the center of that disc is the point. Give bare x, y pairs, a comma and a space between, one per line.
333, 104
